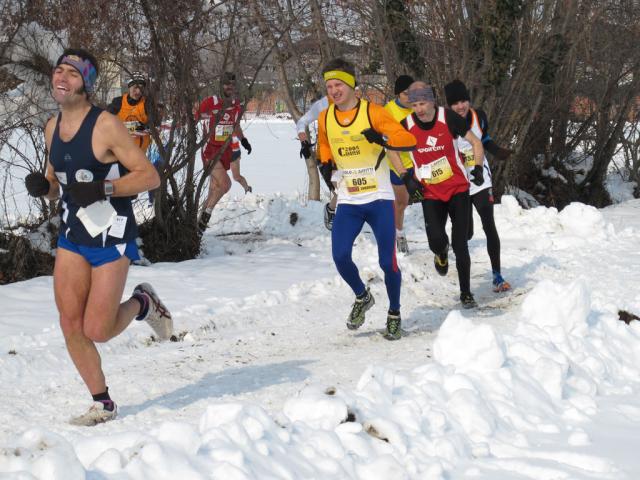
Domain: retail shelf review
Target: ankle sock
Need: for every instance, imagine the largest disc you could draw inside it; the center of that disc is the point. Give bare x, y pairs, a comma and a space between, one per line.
144, 304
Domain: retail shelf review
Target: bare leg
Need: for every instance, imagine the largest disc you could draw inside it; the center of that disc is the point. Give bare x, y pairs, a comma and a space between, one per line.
401, 203
235, 171
219, 185
90, 312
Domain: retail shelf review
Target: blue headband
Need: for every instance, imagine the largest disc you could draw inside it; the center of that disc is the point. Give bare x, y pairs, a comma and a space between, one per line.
421, 94
86, 69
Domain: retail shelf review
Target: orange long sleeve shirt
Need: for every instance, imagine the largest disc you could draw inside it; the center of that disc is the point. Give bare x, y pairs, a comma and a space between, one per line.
381, 121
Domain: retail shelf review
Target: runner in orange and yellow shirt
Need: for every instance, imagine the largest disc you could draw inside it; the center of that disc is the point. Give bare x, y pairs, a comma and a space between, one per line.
353, 135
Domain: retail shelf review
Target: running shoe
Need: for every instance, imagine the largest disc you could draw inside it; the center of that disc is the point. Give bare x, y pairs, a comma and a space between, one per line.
360, 306
393, 327
329, 215
499, 283
401, 242
99, 412
467, 300
441, 261
158, 316
203, 221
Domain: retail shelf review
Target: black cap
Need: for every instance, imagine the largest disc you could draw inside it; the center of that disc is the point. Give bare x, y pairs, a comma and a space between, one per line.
402, 83
228, 78
455, 92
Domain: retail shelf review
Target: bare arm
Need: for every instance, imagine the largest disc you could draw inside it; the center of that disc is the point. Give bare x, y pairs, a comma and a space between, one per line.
476, 144
54, 185
111, 142
396, 161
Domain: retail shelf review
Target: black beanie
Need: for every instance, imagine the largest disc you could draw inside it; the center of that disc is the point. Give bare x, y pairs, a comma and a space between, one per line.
402, 83
455, 92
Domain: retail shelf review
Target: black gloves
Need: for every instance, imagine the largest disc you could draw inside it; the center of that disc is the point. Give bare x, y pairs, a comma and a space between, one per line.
305, 149
373, 136
37, 184
478, 177
326, 170
86, 193
247, 146
414, 187
503, 153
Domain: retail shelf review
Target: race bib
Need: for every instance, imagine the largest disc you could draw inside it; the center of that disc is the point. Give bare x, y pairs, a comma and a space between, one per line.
436, 172
360, 180
134, 128
97, 217
223, 132
118, 227
469, 159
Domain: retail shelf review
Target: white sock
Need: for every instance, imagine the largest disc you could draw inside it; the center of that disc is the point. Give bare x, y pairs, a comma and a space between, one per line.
208, 210
399, 233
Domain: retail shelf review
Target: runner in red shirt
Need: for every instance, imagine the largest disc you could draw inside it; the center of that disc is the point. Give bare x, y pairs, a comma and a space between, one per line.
223, 114
439, 167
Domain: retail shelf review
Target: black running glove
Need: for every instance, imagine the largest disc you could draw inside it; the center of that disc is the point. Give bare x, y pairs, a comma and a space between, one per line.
37, 184
373, 136
414, 187
305, 149
478, 177
326, 170
247, 146
86, 193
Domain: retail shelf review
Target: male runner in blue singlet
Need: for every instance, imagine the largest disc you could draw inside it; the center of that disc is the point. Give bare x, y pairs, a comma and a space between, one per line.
97, 167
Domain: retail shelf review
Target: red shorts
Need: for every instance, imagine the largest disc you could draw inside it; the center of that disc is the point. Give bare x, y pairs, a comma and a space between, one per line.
211, 150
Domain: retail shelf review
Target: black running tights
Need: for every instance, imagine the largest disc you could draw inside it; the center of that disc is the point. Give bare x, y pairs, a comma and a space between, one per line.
435, 219
483, 201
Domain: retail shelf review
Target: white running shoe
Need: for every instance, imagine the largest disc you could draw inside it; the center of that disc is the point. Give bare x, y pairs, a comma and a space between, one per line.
401, 242
95, 415
158, 316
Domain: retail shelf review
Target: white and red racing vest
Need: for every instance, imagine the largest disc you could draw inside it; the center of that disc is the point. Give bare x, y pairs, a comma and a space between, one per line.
466, 150
438, 164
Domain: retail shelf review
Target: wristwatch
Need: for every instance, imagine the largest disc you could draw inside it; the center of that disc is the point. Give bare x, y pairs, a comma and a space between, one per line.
108, 188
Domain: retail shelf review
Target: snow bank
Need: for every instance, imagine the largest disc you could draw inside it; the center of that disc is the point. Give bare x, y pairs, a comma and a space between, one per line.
486, 395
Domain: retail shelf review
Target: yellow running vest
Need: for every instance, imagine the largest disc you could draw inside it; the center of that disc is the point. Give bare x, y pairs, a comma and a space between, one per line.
356, 159
399, 113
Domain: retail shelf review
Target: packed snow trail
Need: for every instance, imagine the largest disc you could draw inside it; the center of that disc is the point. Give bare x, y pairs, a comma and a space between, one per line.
533, 384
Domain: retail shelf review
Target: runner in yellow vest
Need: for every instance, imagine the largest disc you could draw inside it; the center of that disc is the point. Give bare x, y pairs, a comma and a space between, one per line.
352, 137
399, 108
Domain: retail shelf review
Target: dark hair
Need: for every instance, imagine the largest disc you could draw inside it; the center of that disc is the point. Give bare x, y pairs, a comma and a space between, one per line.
82, 53
228, 78
339, 64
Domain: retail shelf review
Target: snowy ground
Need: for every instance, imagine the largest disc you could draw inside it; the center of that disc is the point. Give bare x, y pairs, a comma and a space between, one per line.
541, 383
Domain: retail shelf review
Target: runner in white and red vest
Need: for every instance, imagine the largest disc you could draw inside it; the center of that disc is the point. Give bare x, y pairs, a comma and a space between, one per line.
439, 167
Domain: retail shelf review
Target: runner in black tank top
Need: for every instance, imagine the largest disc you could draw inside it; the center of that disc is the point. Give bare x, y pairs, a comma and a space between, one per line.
97, 165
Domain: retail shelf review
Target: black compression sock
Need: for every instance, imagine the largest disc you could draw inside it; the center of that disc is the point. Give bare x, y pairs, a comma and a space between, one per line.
98, 397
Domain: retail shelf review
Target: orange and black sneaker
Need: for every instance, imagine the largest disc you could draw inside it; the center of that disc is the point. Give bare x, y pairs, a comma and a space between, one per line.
499, 283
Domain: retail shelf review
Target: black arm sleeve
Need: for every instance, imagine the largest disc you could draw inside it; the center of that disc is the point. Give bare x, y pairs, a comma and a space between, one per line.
457, 125
487, 142
115, 105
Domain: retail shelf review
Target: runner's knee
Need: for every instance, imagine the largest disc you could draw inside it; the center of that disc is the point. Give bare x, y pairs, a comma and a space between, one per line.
71, 325
97, 332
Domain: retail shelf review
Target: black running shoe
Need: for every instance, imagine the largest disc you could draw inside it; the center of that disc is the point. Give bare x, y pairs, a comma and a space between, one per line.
360, 306
203, 221
467, 300
441, 261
